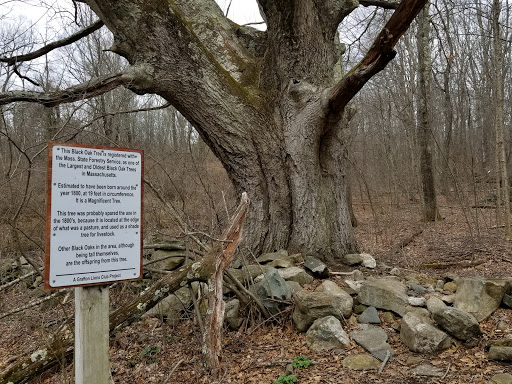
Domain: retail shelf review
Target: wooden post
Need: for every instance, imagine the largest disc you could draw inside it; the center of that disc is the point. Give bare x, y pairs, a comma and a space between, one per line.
91, 335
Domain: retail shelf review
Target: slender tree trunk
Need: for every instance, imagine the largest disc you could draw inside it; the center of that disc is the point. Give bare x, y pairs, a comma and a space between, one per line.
448, 102
501, 173
429, 198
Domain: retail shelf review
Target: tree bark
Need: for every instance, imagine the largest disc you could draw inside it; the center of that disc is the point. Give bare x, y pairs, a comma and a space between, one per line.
429, 198
502, 193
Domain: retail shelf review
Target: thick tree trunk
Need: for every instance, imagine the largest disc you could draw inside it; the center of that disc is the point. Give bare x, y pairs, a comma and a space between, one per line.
265, 102
301, 177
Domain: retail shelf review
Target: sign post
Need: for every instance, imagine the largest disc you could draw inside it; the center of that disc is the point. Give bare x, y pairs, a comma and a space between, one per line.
93, 237
91, 335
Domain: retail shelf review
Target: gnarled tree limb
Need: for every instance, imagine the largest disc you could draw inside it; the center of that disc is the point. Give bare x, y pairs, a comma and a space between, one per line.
379, 3
379, 55
53, 45
86, 90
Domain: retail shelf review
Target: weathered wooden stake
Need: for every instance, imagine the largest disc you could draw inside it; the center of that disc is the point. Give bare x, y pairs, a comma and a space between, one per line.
91, 335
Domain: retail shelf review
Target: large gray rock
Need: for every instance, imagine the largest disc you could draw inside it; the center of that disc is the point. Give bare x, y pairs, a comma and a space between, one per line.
232, 310
268, 257
480, 297
248, 273
285, 262
374, 340
334, 289
501, 378
435, 304
353, 285
294, 286
310, 306
361, 362
507, 301
456, 322
499, 343
421, 336
368, 261
173, 305
369, 316
384, 293
296, 274
420, 311
417, 301
428, 370
344, 299
316, 267
418, 288
500, 353
171, 260
272, 289
352, 259
326, 333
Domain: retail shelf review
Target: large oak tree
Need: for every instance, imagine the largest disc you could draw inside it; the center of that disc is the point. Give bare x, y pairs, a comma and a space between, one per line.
266, 103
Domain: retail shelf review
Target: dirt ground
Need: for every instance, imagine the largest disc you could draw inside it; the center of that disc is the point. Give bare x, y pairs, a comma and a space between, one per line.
464, 243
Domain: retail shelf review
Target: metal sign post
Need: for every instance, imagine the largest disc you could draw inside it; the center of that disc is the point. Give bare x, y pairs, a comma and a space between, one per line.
93, 237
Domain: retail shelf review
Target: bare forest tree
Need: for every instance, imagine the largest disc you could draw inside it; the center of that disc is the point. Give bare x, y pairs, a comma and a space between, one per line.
462, 100
429, 197
502, 180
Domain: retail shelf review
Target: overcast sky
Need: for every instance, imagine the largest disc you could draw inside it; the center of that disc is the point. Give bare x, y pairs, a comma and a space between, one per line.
240, 11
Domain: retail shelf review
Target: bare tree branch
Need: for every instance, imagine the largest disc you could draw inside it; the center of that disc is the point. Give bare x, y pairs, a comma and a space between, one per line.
379, 55
56, 44
16, 71
86, 90
379, 3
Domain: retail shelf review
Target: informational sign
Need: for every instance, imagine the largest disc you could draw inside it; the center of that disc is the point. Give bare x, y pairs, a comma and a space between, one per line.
93, 215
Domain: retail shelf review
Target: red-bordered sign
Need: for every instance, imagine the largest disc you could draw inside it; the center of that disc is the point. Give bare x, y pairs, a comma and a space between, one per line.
93, 215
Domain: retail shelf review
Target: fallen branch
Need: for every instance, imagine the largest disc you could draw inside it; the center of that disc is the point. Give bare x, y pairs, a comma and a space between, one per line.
172, 371
341, 273
462, 264
172, 246
405, 242
156, 270
384, 362
240, 286
32, 304
484, 206
447, 370
15, 281
173, 254
212, 348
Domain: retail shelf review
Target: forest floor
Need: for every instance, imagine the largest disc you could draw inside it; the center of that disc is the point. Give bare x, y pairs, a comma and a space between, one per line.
153, 351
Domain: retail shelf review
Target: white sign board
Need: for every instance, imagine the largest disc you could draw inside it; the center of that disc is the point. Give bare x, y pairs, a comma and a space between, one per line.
94, 215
